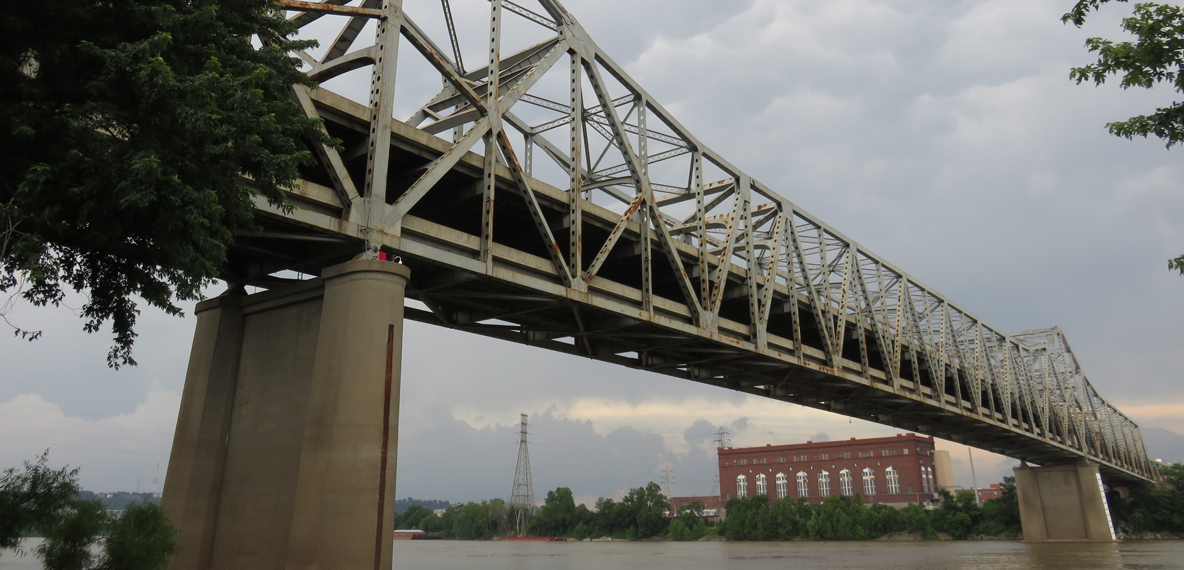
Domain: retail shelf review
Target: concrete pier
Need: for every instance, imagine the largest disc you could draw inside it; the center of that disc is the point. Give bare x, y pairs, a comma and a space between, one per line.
1063, 503
284, 454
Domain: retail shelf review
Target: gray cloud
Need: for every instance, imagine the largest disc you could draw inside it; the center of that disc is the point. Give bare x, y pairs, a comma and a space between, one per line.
739, 425
946, 137
700, 432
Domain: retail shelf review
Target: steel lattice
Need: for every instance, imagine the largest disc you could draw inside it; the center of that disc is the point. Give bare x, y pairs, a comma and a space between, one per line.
626, 250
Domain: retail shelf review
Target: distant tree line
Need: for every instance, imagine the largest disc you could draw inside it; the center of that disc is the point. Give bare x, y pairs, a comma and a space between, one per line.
402, 505
848, 518
641, 514
119, 500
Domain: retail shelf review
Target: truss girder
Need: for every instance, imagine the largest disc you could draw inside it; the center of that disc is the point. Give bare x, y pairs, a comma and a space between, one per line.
726, 282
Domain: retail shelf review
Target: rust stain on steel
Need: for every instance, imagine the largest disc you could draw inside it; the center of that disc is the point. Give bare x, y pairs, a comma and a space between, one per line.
325, 8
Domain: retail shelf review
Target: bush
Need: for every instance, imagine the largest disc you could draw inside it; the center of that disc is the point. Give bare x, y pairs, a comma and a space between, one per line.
43, 501
679, 531
141, 538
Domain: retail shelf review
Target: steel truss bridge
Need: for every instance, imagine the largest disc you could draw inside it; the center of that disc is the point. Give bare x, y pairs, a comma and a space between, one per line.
630, 241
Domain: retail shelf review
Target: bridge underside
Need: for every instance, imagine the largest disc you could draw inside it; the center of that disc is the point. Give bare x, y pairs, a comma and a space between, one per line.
791, 348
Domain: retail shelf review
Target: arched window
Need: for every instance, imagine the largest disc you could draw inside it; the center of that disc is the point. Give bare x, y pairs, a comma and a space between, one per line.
741, 486
824, 483
869, 481
845, 483
803, 484
925, 480
782, 486
932, 481
892, 476
762, 485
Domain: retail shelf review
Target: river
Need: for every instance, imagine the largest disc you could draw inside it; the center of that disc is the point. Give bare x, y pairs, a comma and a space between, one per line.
968, 555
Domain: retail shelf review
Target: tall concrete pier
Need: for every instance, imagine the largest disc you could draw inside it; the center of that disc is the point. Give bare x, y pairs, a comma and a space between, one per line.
1064, 503
284, 454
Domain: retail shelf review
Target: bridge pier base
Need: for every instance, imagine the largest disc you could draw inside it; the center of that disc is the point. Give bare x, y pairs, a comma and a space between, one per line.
1063, 503
284, 453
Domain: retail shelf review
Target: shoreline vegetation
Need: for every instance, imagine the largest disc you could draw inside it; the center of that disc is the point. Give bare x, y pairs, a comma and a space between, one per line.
1141, 512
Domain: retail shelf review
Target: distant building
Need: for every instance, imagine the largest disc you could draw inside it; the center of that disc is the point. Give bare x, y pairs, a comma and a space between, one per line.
711, 505
984, 495
410, 534
892, 470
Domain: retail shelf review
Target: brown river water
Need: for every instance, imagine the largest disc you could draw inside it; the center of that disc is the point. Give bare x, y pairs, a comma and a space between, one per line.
969, 555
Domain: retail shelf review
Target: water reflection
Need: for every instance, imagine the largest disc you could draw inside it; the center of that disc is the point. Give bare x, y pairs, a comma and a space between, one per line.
445, 555
464, 555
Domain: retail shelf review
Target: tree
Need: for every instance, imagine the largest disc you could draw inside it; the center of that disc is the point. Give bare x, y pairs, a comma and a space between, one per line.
958, 515
558, 515
689, 514
136, 135
46, 502
141, 538
33, 499
648, 507
1001, 516
471, 522
1156, 57
411, 517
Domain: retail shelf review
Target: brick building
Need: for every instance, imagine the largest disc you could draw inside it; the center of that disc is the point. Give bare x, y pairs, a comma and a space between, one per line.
995, 491
893, 470
711, 505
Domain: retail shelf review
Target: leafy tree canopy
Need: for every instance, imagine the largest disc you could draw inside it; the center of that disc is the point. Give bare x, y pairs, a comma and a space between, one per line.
1156, 56
128, 132
47, 502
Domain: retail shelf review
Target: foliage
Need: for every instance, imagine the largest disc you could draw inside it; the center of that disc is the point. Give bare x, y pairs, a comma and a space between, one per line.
46, 502
141, 538
130, 129
69, 537
1001, 517
958, 514
431, 524
1156, 57
755, 519
678, 531
471, 522
401, 505
847, 518
1150, 508
411, 517
33, 500
640, 514
648, 507
689, 514
916, 521
558, 515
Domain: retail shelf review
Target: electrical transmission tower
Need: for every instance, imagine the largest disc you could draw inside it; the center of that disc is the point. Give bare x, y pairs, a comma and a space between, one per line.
721, 441
667, 478
522, 496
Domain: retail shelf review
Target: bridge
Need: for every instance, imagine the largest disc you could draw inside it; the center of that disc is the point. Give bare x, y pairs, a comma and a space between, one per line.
542, 196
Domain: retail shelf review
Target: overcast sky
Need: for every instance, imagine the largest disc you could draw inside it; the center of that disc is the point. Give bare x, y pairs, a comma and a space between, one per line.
944, 136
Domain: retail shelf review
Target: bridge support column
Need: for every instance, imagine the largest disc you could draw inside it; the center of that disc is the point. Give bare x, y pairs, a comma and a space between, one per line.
284, 454
1064, 503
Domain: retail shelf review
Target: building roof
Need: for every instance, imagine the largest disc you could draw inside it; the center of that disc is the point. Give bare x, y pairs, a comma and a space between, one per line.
824, 444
